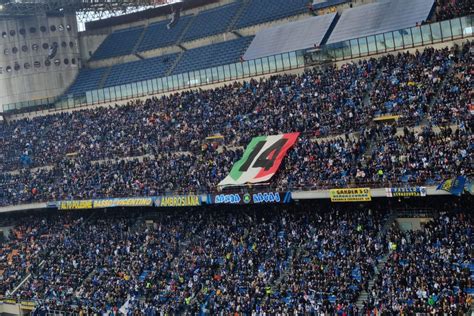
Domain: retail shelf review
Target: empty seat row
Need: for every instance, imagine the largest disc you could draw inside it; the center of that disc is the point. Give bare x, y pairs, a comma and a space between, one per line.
140, 70
158, 35
212, 22
118, 43
191, 27
87, 79
213, 55
262, 11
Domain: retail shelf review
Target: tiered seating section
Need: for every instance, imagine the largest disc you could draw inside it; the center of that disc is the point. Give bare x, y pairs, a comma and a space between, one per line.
193, 59
238, 14
212, 22
158, 35
173, 129
118, 43
213, 55
429, 271
87, 79
262, 11
206, 23
139, 70
300, 259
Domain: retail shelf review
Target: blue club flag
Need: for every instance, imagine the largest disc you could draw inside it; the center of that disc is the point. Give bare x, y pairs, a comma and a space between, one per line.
458, 185
469, 186
445, 185
453, 186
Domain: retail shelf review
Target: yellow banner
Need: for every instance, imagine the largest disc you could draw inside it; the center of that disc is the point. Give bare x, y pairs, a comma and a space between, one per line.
350, 195
123, 202
75, 205
182, 200
8, 301
27, 305
387, 118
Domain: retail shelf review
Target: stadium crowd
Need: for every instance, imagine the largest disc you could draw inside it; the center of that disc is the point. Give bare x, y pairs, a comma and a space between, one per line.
320, 102
273, 260
428, 271
99, 152
450, 9
423, 157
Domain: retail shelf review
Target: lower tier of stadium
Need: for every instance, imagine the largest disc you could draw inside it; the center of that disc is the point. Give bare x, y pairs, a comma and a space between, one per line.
389, 257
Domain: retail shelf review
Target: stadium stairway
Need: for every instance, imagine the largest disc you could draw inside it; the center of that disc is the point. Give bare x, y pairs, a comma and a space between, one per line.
25, 280
285, 275
364, 294
380, 264
436, 96
140, 39
103, 80
175, 63
183, 33
237, 15
237, 34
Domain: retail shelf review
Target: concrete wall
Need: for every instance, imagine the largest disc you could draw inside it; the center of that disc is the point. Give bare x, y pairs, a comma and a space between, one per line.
252, 30
210, 40
88, 44
10, 309
407, 224
26, 72
5, 230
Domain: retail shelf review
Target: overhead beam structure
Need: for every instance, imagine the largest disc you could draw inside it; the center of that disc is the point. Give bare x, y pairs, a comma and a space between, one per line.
96, 8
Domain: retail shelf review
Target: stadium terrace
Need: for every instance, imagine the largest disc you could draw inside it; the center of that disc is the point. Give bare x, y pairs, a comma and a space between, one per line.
236, 157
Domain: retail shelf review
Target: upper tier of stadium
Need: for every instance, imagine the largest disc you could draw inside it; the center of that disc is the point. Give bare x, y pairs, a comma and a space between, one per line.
239, 39
221, 36
222, 19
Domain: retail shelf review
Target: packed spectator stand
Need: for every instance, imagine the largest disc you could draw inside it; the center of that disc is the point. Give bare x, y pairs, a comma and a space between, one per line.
301, 258
297, 258
428, 271
159, 145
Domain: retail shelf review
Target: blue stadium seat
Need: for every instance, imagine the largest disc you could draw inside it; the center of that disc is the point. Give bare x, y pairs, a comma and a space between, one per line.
261, 11
158, 35
212, 22
139, 70
87, 79
206, 23
118, 43
213, 55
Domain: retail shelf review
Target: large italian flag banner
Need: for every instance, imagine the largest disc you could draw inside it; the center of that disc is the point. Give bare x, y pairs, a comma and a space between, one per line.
261, 159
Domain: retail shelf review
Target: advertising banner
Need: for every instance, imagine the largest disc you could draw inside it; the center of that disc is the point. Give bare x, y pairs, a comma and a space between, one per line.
400, 192
261, 159
178, 200
27, 305
8, 301
75, 205
350, 195
123, 202
248, 198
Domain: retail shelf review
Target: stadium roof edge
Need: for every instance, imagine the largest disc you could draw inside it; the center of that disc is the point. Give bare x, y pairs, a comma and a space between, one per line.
144, 15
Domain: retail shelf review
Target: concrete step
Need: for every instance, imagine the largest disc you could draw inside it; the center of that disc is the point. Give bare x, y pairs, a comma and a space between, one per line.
361, 299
